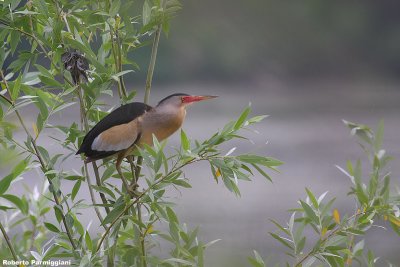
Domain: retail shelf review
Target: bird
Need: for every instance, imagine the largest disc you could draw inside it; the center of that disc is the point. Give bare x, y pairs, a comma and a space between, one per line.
132, 125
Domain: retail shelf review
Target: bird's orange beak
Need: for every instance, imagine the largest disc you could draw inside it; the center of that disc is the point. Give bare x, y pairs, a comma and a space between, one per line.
196, 98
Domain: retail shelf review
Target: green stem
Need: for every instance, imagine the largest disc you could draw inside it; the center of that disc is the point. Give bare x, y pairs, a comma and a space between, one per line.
119, 62
152, 64
85, 126
141, 237
8, 241
114, 50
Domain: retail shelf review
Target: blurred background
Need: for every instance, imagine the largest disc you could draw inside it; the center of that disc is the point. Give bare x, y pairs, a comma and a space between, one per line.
307, 64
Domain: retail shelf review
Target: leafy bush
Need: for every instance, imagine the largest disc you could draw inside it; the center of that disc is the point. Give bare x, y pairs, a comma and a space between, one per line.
41, 38
339, 238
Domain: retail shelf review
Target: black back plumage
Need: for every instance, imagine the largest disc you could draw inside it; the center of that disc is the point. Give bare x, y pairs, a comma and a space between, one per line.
121, 115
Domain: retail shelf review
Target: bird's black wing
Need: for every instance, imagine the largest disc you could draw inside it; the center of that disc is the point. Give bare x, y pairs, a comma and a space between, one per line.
121, 115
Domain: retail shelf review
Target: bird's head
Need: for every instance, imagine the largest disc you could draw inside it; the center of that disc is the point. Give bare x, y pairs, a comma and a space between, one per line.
183, 100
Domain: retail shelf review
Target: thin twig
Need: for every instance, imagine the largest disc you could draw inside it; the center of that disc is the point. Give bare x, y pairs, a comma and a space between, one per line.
92, 194
8, 241
142, 236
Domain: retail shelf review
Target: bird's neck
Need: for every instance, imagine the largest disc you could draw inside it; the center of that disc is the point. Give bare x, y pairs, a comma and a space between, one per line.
163, 121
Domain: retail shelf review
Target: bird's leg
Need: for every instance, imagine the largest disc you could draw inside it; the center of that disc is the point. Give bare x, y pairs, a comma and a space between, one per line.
118, 167
131, 160
134, 185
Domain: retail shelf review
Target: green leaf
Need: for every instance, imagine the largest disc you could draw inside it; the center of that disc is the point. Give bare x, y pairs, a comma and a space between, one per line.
185, 141
88, 241
261, 171
242, 118
182, 183
70, 220
16, 88
117, 75
309, 212
51, 227
44, 112
75, 189
280, 226
58, 212
21, 204
114, 213
300, 245
5, 183
282, 240
104, 189
257, 119
185, 262
171, 215
14, 40
312, 198
257, 261
146, 14
50, 81
63, 106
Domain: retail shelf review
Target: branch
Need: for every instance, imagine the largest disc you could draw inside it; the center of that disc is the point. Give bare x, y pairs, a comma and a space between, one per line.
140, 196
8, 241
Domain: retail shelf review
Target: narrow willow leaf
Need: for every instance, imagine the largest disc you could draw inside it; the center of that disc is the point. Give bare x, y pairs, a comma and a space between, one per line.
185, 141
240, 121
18, 202
117, 75
63, 106
88, 241
105, 190
5, 183
182, 183
261, 171
114, 213
280, 226
146, 14
16, 88
312, 198
75, 189
171, 215
309, 212
282, 240
51, 227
